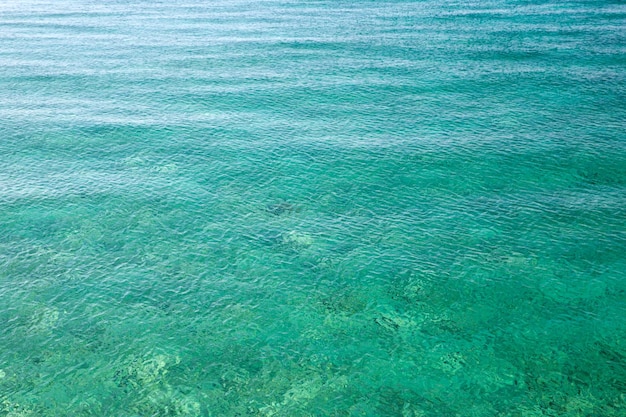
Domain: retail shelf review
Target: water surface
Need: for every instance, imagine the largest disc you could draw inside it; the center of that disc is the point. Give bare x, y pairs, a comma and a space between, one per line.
312, 208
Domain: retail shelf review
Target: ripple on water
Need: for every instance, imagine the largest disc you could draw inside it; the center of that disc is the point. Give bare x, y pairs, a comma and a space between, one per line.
286, 208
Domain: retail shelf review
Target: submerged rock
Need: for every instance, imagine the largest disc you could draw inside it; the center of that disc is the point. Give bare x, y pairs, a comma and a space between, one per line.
387, 323
167, 402
140, 372
11, 409
297, 239
44, 320
279, 209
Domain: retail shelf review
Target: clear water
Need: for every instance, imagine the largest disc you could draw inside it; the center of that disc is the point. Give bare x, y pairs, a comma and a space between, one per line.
312, 208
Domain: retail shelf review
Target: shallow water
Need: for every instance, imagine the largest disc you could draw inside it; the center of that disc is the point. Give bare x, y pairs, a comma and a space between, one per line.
321, 208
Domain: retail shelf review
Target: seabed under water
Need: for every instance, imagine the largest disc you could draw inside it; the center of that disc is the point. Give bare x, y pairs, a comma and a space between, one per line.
312, 208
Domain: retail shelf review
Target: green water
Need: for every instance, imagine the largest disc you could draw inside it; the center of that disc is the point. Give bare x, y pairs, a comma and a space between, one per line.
312, 208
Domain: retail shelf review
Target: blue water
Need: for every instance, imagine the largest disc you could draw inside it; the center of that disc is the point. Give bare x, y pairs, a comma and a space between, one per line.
312, 208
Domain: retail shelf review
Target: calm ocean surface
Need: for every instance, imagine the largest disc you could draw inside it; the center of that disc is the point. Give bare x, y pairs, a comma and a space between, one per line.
312, 208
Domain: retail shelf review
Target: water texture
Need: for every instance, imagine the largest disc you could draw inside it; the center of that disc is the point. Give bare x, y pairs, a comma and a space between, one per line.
312, 208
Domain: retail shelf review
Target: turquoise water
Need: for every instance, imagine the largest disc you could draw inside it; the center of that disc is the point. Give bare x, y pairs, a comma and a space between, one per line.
312, 208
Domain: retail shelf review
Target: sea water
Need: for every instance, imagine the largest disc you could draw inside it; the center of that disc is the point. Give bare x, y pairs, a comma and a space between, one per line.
312, 208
